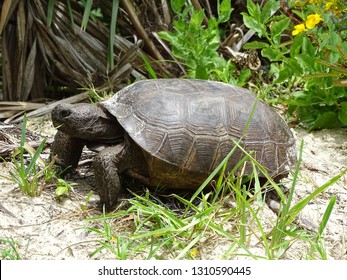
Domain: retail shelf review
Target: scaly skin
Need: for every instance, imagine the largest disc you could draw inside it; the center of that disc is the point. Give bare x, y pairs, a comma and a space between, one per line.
85, 124
106, 174
113, 161
67, 150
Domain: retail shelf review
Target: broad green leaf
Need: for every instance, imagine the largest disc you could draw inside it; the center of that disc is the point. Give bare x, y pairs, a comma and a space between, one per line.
255, 45
243, 77
166, 35
196, 19
60, 191
326, 120
306, 61
253, 24
254, 10
201, 73
342, 113
335, 39
269, 9
177, 5
271, 54
284, 74
225, 10
277, 29
296, 45
295, 66
307, 47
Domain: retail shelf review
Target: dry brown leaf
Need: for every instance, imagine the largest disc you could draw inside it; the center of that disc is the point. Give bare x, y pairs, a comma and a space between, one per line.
6, 67
7, 9
29, 72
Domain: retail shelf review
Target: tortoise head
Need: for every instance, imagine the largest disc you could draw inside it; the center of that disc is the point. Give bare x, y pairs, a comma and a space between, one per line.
88, 122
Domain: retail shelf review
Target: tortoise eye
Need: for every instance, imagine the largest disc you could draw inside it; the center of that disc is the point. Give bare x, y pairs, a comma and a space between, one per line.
65, 113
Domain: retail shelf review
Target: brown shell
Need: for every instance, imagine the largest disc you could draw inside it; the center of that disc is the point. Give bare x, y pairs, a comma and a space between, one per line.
191, 124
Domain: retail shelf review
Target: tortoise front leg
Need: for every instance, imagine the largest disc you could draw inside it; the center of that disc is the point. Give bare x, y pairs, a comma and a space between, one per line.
67, 150
107, 166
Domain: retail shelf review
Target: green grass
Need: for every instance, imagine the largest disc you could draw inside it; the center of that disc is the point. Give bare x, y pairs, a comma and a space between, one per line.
150, 229
30, 176
10, 251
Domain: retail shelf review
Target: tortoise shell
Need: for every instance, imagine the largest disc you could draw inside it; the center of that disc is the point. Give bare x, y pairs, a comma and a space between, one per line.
191, 123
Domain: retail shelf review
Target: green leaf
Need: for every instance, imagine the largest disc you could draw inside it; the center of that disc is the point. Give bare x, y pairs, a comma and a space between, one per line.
306, 61
86, 14
176, 5
296, 45
225, 10
70, 12
271, 54
307, 46
326, 216
50, 12
277, 29
201, 73
167, 36
196, 19
253, 24
302, 203
253, 10
295, 66
326, 120
342, 113
243, 77
335, 39
284, 74
148, 66
269, 9
36, 155
255, 45
60, 191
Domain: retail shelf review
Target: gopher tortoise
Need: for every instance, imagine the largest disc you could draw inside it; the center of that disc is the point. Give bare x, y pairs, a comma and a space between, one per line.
172, 133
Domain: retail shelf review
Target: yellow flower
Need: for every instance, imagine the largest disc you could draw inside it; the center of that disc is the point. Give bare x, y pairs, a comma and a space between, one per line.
298, 29
312, 21
328, 5
194, 252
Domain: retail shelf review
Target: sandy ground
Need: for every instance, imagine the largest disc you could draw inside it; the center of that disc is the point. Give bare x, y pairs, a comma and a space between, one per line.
44, 228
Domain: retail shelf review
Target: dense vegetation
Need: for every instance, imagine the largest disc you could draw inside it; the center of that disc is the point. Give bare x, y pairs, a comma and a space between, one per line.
294, 55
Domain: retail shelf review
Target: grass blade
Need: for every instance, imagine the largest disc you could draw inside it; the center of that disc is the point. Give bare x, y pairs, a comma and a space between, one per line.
70, 12
50, 12
149, 68
86, 14
35, 157
326, 216
294, 211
